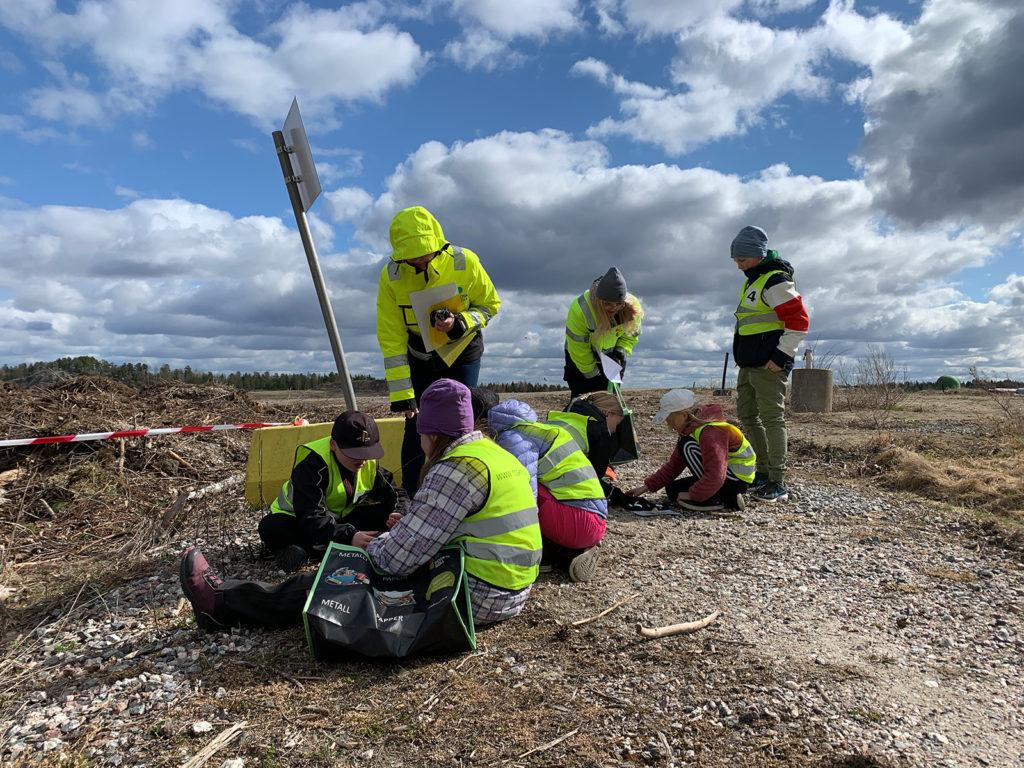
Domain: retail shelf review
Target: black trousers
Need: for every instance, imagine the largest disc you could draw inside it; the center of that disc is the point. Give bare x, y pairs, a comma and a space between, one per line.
690, 451
279, 531
259, 603
423, 374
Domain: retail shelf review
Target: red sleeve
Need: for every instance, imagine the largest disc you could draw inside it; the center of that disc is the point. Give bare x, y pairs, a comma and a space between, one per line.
668, 472
714, 453
793, 315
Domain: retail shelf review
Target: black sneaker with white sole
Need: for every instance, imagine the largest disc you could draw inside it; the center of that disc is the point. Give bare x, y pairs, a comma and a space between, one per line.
771, 493
714, 504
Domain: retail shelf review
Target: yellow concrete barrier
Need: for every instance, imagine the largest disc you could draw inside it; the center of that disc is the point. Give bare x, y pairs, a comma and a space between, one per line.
273, 451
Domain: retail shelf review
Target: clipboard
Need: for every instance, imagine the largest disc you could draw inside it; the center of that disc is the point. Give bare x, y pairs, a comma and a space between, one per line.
424, 302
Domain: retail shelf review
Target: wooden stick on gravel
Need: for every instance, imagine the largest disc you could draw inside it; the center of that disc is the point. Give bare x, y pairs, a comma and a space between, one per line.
220, 740
606, 611
677, 629
545, 747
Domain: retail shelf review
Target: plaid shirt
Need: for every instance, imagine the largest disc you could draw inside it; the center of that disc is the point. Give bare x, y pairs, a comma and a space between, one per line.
450, 491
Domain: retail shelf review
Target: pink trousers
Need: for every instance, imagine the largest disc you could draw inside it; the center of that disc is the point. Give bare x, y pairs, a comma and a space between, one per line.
568, 526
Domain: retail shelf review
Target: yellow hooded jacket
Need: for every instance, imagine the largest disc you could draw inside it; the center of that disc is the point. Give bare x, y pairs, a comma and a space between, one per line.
414, 233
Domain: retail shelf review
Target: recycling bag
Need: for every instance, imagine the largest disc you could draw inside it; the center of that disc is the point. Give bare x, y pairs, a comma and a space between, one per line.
354, 608
626, 449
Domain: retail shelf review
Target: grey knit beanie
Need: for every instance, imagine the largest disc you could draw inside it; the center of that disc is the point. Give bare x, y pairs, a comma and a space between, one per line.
750, 243
612, 287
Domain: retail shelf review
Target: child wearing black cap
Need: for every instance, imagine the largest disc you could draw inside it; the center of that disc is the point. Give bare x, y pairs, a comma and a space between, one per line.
337, 492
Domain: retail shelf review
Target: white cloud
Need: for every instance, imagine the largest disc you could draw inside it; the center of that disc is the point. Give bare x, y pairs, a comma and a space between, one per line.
142, 140
728, 71
491, 25
126, 192
945, 116
148, 49
347, 203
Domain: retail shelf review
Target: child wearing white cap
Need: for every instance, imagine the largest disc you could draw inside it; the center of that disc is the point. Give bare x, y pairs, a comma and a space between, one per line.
719, 457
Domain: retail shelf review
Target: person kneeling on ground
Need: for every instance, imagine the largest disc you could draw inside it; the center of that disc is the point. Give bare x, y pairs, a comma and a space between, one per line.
593, 421
337, 492
572, 508
719, 457
472, 492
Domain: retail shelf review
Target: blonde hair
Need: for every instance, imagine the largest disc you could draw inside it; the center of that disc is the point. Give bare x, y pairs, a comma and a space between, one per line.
629, 316
605, 402
438, 444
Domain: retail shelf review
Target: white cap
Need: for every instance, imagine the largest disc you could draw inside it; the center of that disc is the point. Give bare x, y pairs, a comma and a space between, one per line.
672, 401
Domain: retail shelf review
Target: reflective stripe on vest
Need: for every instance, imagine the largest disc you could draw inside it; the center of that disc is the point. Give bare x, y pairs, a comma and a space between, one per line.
753, 316
742, 461
575, 424
502, 539
564, 469
337, 500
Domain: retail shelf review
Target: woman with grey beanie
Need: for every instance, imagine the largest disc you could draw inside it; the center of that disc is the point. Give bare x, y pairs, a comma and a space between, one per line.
605, 318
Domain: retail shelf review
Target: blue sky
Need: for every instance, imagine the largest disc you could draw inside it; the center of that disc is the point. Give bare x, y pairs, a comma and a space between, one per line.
140, 193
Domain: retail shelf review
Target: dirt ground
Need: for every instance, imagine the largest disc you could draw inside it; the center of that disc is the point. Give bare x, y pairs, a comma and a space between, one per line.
874, 620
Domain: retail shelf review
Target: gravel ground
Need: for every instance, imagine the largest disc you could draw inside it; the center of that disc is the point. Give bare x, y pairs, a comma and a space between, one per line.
857, 629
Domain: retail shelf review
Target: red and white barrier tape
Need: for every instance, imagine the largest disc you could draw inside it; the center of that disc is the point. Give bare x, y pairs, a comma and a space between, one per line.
143, 432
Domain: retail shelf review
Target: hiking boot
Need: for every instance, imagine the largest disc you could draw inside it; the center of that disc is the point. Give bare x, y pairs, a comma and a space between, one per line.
291, 558
714, 504
583, 567
771, 492
198, 582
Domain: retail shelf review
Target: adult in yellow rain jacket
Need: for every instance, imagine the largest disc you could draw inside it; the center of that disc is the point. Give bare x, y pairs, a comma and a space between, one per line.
422, 258
606, 318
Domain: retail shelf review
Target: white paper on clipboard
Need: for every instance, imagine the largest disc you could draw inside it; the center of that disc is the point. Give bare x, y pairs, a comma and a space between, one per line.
423, 302
611, 369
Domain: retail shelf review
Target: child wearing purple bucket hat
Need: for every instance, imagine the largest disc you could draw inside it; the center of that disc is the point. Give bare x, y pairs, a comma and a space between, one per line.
472, 492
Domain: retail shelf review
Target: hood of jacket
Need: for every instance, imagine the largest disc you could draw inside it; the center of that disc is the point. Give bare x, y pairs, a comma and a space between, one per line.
415, 232
710, 412
509, 413
768, 265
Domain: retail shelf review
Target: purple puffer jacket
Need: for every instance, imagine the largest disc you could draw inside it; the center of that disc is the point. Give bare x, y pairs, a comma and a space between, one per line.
509, 421
527, 448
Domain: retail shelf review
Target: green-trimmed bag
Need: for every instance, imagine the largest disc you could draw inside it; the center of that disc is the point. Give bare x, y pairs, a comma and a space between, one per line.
354, 608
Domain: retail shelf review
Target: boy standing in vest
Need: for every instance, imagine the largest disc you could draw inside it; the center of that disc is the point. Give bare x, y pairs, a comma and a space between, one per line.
771, 321
422, 258
719, 457
336, 492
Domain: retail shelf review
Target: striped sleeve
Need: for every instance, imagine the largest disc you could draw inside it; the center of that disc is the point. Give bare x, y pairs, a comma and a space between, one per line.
781, 295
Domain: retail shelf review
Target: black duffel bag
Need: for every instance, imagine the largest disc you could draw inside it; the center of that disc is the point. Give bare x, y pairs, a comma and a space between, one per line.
354, 608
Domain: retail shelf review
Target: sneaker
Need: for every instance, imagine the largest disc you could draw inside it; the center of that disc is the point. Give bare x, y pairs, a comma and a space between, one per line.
760, 478
545, 568
198, 582
771, 492
740, 502
583, 567
709, 505
291, 558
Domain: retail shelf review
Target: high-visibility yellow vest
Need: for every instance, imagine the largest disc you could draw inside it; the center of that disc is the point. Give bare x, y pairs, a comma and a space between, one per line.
583, 342
742, 461
337, 500
502, 540
753, 315
564, 469
575, 424
414, 233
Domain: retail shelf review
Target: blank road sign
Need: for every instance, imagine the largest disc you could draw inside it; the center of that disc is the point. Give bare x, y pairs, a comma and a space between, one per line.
301, 156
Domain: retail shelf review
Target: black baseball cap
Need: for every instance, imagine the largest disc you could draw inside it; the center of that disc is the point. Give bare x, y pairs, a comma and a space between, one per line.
357, 436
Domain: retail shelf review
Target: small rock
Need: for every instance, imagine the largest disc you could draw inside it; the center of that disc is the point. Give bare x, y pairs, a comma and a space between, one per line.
200, 727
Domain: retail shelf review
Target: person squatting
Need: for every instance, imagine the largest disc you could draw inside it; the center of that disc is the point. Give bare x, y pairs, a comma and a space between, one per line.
519, 494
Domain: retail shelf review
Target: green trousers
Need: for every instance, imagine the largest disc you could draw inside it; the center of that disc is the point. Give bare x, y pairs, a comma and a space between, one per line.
761, 407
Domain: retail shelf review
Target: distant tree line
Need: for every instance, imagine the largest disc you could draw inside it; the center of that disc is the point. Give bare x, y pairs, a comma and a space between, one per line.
140, 375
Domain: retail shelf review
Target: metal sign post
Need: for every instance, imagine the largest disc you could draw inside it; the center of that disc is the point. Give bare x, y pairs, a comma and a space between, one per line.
303, 188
